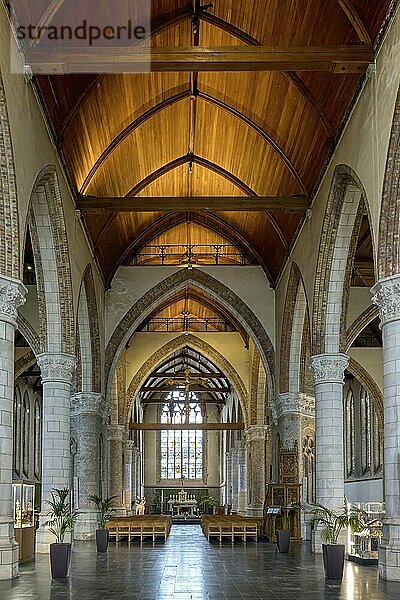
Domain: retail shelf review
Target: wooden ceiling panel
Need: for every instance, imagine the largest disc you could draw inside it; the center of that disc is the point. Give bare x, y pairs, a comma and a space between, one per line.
207, 183
189, 233
288, 23
157, 142
267, 133
228, 142
100, 119
122, 230
265, 239
174, 183
279, 109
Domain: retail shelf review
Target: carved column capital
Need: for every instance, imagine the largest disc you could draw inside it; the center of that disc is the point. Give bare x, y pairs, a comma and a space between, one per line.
87, 403
329, 368
256, 433
386, 296
57, 367
116, 432
12, 296
129, 445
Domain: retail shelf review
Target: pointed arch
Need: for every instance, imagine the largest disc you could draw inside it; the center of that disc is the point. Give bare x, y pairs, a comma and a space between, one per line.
345, 209
200, 346
53, 272
9, 227
389, 223
88, 337
169, 286
293, 332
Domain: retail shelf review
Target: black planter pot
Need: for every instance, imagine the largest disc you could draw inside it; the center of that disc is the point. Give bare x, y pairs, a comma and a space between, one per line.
283, 540
60, 556
102, 540
333, 555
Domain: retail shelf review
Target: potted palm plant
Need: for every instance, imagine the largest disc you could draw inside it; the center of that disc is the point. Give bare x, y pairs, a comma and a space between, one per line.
283, 535
207, 504
61, 519
105, 510
332, 522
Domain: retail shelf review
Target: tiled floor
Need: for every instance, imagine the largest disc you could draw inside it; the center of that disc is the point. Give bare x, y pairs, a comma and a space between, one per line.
188, 567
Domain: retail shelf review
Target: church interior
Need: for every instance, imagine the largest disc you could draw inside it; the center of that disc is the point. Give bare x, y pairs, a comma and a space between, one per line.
200, 299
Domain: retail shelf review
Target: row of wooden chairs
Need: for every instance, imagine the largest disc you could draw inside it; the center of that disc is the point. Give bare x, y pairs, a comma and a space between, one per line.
229, 527
153, 526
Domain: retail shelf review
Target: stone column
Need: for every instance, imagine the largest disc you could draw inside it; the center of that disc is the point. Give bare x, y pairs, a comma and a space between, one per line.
329, 379
116, 435
235, 478
242, 478
129, 447
135, 458
387, 298
12, 296
57, 372
256, 436
87, 410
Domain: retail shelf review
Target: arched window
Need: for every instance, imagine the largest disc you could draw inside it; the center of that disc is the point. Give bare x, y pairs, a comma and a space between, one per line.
26, 430
181, 451
350, 441
309, 469
17, 432
365, 423
37, 424
377, 443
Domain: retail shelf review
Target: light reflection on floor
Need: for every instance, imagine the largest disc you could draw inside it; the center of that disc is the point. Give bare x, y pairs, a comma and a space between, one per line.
187, 567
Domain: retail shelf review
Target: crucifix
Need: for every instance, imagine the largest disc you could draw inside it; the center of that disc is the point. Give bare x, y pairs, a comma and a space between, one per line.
188, 381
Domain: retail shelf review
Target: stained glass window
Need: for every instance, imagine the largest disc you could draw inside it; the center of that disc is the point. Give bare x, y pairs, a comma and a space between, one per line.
17, 431
181, 451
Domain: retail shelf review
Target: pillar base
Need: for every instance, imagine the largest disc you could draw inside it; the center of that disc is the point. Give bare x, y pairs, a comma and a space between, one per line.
389, 552
317, 540
86, 525
9, 551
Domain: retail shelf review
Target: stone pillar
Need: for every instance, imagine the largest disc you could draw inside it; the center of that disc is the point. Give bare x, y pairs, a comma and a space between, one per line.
135, 458
242, 478
387, 298
256, 436
116, 435
235, 478
12, 296
87, 410
129, 447
329, 379
57, 372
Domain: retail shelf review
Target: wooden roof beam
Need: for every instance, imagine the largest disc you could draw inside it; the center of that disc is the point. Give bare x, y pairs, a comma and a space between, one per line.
333, 59
93, 204
355, 19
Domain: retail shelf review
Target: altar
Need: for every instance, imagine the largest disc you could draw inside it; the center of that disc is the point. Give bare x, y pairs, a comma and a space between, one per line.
182, 504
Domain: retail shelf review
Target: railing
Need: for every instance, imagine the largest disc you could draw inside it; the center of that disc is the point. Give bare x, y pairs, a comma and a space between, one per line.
182, 324
191, 254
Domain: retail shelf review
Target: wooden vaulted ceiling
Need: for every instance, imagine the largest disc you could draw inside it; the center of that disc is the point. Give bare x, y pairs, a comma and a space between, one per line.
199, 308
208, 381
225, 133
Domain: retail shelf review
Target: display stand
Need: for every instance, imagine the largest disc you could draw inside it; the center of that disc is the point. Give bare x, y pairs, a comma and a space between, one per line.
24, 518
363, 547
